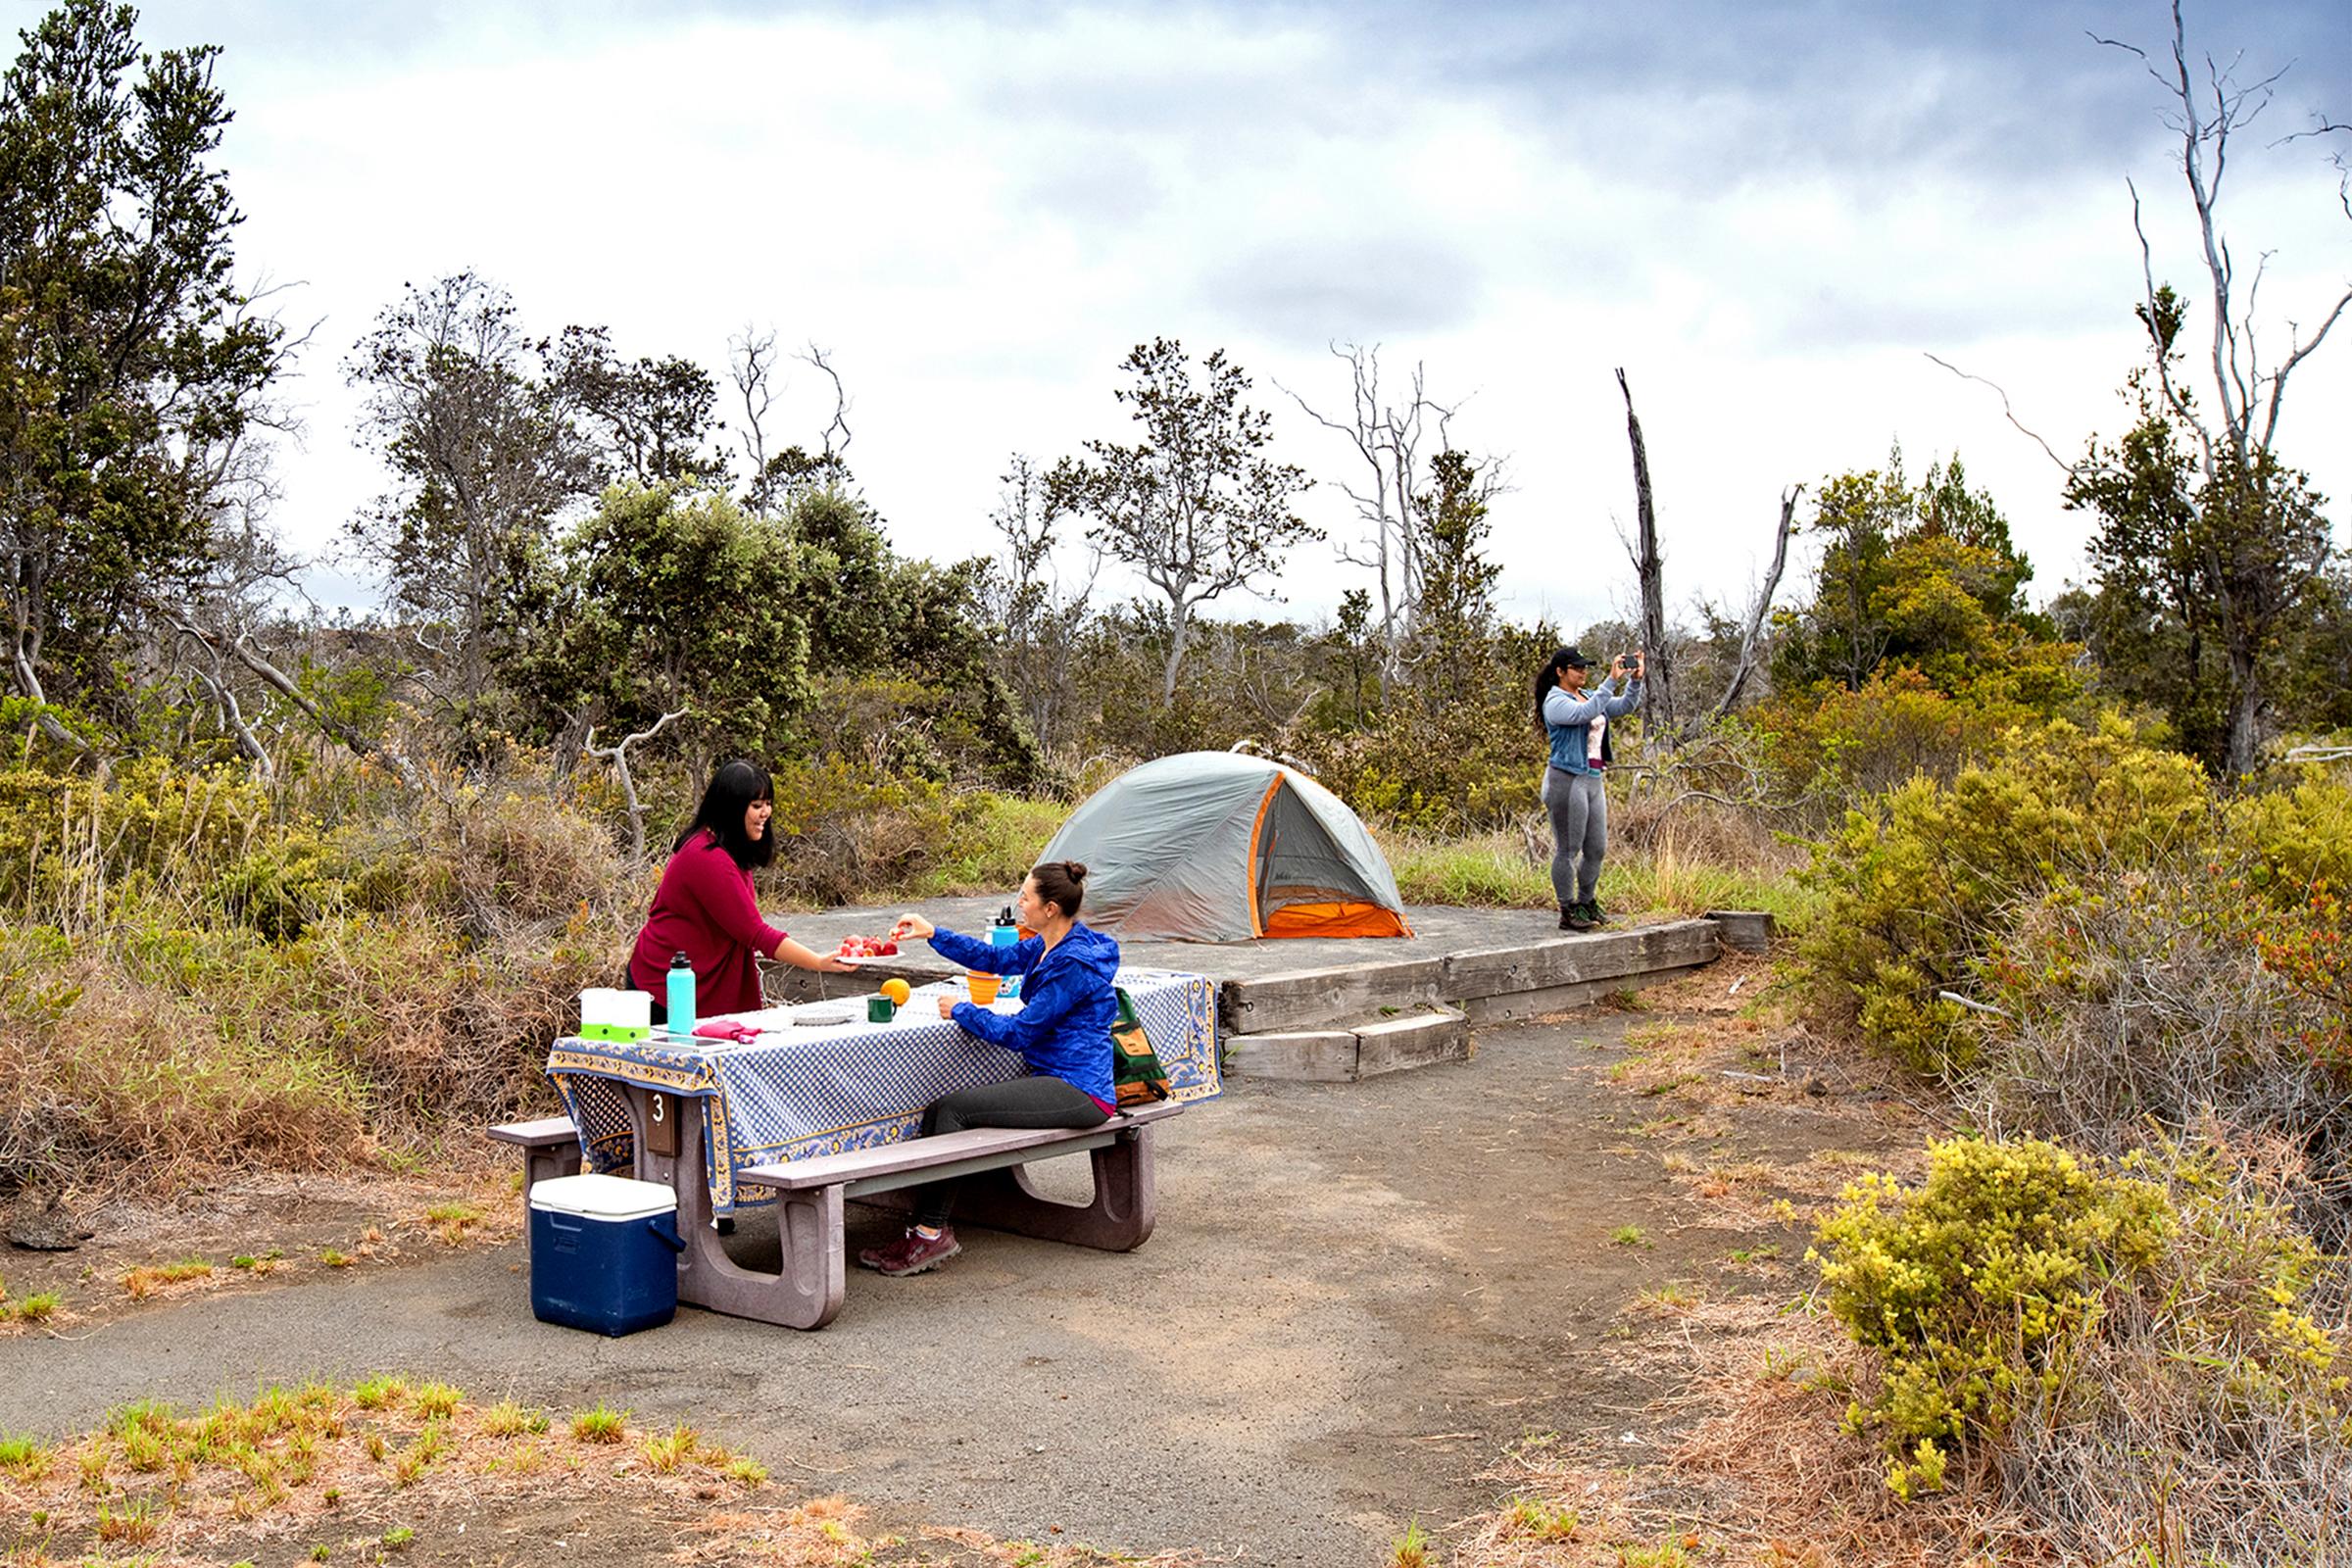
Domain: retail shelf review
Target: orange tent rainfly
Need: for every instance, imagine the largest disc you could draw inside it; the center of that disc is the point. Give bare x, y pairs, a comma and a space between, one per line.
1220, 847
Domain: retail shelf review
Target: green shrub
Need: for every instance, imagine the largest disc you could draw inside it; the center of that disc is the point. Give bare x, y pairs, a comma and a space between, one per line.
2145, 1352
191, 978
2129, 1330
281, 885
68, 840
1828, 744
1441, 763
1978, 1287
1833, 744
1917, 887
849, 832
990, 843
2298, 837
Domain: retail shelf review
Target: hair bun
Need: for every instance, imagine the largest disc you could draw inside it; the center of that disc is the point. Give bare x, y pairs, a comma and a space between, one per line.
1076, 868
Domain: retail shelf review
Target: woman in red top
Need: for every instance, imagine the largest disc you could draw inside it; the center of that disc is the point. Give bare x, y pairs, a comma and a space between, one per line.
705, 906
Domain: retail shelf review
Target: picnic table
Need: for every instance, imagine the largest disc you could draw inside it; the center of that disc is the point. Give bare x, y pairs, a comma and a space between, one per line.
806, 1116
800, 1091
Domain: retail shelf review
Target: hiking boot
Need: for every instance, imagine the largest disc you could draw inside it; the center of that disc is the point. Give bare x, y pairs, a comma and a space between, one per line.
1592, 913
910, 1253
1574, 918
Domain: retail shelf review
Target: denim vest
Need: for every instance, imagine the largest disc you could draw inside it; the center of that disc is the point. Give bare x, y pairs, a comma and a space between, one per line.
1572, 743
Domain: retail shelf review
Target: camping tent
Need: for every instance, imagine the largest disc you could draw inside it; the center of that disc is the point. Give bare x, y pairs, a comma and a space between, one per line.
1219, 847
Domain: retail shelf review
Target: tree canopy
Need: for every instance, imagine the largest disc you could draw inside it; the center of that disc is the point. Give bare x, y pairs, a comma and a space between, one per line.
131, 363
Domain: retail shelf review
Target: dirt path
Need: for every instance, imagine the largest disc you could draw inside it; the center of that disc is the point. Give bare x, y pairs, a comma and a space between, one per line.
1357, 1296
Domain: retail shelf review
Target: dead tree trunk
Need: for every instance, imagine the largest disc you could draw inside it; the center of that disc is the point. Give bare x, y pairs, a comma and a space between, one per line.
1755, 630
1657, 697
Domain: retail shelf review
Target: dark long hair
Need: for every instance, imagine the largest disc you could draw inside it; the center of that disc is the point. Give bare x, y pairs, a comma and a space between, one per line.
733, 789
1548, 678
1061, 883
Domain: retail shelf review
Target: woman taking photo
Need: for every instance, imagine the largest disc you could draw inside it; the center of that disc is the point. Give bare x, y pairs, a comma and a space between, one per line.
1574, 792
1062, 1033
705, 908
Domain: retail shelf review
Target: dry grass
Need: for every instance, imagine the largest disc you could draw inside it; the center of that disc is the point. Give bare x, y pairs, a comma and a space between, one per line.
1762, 1472
149, 1279
364, 1476
1758, 1194
199, 978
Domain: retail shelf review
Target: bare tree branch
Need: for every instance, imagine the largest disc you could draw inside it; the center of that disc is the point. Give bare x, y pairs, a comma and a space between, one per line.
1389, 438
841, 400
29, 682
239, 649
224, 696
2007, 411
619, 755
1649, 570
751, 366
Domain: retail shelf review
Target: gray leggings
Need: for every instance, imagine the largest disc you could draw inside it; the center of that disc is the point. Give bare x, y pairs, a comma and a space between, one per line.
1042, 1100
1580, 833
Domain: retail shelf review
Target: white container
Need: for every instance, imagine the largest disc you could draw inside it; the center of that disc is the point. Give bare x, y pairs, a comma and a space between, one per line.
610, 1015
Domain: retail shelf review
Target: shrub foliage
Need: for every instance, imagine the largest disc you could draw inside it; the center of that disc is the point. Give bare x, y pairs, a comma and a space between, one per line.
1919, 884
1999, 1291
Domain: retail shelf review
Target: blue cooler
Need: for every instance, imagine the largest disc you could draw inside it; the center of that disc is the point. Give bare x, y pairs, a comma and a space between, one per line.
604, 1253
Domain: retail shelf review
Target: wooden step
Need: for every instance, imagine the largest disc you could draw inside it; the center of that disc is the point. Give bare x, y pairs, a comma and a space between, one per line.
1541, 975
1349, 1053
1303, 998
1527, 980
1744, 930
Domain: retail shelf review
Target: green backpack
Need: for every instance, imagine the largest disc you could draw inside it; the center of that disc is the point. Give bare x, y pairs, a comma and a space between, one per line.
1134, 1068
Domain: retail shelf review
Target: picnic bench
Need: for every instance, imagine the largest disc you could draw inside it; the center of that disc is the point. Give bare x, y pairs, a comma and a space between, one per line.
550, 1147
807, 1288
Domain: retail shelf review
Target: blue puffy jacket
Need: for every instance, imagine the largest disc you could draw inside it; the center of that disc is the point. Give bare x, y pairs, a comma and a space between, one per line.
1067, 1003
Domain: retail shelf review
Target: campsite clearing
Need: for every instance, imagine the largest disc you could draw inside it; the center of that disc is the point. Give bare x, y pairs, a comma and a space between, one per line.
1359, 1297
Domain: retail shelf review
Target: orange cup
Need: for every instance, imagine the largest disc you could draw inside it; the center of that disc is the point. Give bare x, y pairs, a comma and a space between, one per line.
983, 986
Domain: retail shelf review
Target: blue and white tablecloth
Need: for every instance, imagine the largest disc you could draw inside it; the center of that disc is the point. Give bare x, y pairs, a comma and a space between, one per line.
799, 1091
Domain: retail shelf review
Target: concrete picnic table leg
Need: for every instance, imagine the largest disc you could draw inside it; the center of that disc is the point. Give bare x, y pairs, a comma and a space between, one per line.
805, 1292
1118, 1220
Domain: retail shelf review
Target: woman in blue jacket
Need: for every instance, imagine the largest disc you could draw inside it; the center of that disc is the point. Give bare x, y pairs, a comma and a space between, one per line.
1577, 723
1063, 1031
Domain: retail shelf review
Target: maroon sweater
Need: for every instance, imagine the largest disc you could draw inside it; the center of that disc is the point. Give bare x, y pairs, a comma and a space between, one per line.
705, 909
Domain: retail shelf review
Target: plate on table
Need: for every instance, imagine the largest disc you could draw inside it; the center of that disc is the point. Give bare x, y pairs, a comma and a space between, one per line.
840, 1011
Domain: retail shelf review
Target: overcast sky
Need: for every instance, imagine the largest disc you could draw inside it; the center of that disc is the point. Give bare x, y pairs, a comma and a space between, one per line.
1769, 214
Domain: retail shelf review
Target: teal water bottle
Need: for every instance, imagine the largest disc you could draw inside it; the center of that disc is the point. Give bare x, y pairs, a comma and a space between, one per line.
1004, 934
681, 995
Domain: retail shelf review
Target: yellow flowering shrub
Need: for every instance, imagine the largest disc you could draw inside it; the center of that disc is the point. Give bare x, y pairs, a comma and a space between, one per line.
1977, 1285
2152, 1292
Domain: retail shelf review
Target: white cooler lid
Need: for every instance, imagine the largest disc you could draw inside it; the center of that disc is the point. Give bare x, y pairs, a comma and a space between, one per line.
594, 1196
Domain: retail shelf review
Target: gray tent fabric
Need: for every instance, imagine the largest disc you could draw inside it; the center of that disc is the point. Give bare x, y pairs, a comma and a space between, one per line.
1169, 848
